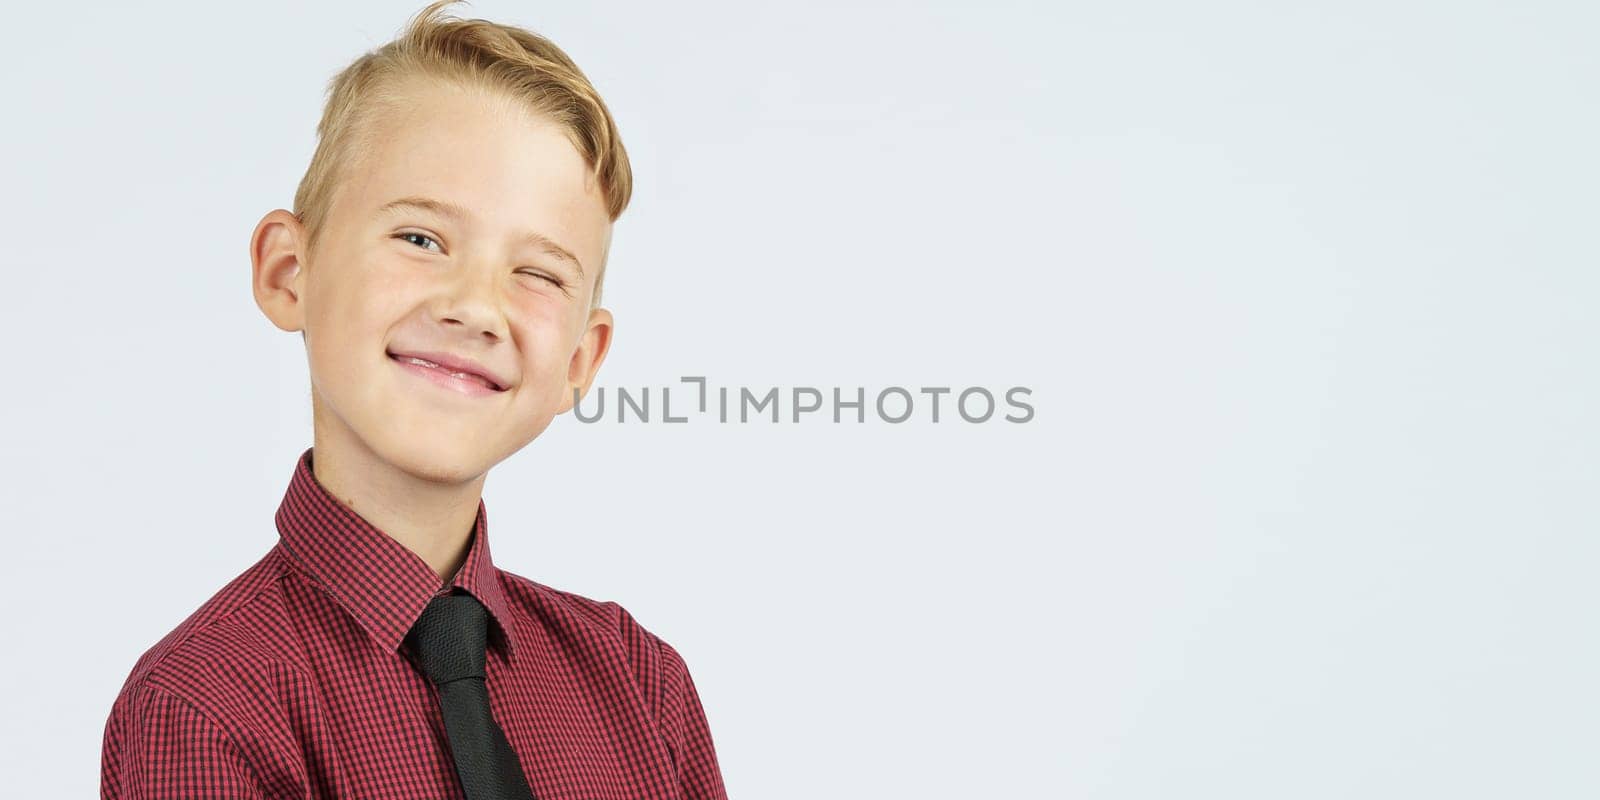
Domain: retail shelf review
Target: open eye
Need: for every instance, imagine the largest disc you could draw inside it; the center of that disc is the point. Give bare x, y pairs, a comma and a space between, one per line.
413, 237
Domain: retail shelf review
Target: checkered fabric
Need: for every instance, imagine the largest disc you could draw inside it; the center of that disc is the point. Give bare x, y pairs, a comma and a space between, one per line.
291, 681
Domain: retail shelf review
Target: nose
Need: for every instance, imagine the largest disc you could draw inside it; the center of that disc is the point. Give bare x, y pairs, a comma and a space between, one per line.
472, 302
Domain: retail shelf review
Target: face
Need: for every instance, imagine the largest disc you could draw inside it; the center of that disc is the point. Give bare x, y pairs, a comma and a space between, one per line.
446, 304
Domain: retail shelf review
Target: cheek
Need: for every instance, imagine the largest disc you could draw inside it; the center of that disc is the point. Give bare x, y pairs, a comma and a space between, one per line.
374, 294
355, 306
544, 341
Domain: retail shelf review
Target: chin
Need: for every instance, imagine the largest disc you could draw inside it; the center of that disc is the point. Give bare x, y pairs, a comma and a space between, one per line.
438, 459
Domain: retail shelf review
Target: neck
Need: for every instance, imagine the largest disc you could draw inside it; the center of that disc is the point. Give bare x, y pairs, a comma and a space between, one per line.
433, 520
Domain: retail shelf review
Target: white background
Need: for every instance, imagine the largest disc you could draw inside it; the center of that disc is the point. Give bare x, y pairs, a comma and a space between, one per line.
1304, 292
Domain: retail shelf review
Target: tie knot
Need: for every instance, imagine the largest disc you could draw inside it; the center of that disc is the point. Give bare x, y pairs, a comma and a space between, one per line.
448, 640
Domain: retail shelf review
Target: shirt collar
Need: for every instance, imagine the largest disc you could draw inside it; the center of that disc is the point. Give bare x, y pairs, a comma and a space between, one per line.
380, 582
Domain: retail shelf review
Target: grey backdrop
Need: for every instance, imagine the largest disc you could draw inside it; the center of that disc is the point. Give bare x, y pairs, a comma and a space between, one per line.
1305, 294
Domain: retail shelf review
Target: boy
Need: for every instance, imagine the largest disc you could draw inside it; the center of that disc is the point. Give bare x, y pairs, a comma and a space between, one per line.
443, 266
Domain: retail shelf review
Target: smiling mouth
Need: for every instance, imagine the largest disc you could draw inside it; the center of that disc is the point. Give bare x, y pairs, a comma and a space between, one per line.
466, 378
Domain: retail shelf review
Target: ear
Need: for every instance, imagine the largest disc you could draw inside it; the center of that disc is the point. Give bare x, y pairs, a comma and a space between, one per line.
586, 360
277, 280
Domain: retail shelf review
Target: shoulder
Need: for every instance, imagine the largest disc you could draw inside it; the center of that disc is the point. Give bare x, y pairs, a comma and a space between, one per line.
603, 618
651, 659
228, 639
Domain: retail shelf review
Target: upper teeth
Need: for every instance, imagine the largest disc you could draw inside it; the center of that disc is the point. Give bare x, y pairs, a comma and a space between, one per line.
426, 363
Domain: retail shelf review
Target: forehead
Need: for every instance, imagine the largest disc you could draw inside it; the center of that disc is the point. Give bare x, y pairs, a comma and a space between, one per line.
512, 170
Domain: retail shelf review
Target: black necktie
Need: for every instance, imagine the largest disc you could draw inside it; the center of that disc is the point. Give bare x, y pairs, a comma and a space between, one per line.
447, 644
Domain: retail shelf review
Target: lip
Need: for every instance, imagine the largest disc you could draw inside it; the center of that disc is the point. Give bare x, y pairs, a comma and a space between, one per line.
453, 364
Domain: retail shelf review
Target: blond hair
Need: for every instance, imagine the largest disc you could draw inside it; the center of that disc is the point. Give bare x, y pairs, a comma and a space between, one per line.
521, 64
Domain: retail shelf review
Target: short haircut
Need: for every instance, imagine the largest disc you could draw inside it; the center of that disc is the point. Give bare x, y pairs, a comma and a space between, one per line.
525, 67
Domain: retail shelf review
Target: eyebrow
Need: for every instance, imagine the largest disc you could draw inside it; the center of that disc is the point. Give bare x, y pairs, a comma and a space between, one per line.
457, 213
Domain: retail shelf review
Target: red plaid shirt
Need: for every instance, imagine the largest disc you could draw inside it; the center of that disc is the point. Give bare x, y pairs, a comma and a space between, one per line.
291, 682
